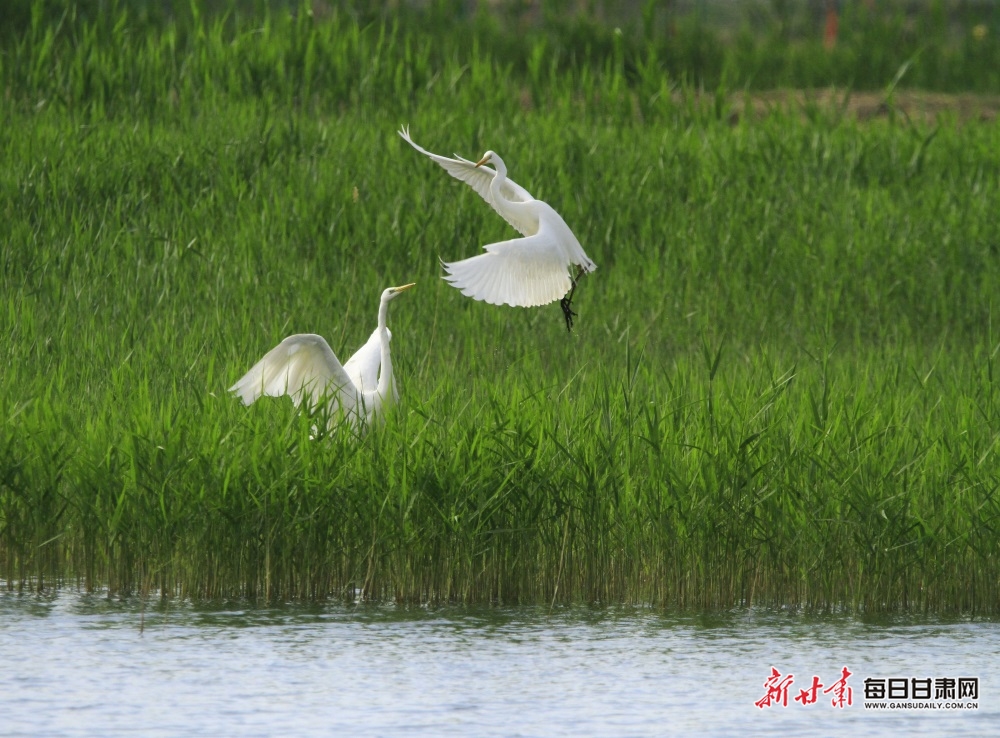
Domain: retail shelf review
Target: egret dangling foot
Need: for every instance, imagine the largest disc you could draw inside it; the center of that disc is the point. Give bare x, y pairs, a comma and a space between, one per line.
567, 301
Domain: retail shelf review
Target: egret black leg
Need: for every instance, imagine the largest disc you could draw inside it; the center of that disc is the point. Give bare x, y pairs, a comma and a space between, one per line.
567, 311
567, 301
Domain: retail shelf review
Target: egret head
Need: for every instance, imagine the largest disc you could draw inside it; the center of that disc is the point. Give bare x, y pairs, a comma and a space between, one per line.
488, 157
392, 292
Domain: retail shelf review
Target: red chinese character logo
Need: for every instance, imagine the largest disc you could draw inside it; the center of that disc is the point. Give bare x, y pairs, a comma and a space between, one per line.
841, 692
810, 695
777, 690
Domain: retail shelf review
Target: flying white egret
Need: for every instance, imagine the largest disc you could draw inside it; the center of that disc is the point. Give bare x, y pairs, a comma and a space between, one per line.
522, 272
305, 368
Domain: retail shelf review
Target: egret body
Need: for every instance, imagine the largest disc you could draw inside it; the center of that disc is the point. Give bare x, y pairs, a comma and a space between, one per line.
522, 272
305, 368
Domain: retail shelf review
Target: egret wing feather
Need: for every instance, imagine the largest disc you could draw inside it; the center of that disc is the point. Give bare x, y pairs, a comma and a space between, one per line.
521, 272
303, 367
480, 179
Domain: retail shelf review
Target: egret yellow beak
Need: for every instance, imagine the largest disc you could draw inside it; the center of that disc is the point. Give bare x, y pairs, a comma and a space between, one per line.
482, 161
404, 287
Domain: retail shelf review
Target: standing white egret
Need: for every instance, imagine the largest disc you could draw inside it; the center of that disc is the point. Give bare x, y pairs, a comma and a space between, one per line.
304, 367
522, 272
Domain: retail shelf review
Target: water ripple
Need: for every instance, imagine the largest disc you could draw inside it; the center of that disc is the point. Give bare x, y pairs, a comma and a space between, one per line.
81, 665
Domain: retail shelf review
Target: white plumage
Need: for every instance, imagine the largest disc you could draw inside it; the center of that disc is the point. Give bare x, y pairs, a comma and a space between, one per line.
523, 272
305, 368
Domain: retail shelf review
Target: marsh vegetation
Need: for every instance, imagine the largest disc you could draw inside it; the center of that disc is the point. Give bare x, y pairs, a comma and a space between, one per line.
781, 387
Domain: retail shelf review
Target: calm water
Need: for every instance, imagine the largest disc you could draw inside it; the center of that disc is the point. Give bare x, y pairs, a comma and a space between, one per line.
75, 665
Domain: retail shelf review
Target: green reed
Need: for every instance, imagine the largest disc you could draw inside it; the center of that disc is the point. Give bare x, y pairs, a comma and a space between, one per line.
780, 389
108, 57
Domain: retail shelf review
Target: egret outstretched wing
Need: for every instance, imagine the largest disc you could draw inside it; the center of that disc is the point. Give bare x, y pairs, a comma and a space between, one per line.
303, 367
480, 178
522, 272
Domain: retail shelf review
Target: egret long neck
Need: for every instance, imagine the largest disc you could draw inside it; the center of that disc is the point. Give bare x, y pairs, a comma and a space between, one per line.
385, 369
498, 179
522, 215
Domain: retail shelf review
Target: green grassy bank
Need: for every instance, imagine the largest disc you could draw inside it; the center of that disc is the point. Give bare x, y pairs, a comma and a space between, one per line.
781, 387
